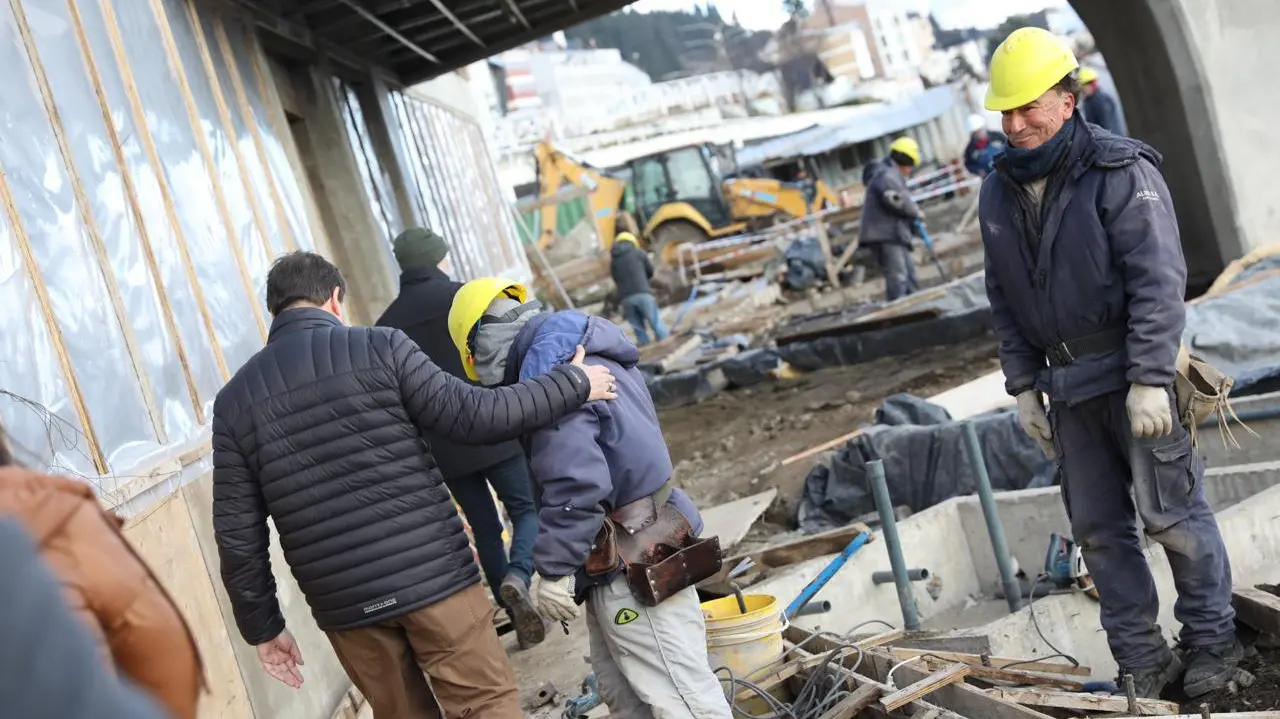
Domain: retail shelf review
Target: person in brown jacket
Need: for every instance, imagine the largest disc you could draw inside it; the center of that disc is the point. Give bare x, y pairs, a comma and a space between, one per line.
106, 583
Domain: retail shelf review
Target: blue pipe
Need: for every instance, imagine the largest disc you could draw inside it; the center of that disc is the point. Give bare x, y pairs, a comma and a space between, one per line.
889, 528
826, 574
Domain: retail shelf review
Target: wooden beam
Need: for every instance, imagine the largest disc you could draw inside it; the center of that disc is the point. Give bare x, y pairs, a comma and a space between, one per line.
997, 662
927, 685
880, 639
1258, 609
861, 698
829, 444
1017, 677
1085, 702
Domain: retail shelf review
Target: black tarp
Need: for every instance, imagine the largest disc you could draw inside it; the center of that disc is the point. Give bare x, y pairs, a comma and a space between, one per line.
925, 462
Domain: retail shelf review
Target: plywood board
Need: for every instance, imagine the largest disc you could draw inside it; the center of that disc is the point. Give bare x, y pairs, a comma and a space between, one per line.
166, 539
731, 522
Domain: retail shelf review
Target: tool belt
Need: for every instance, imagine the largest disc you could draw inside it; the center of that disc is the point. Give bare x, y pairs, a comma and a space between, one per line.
655, 546
1108, 340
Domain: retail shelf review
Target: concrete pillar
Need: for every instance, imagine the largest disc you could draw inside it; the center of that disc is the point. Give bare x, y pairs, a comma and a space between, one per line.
389, 146
1182, 67
338, 187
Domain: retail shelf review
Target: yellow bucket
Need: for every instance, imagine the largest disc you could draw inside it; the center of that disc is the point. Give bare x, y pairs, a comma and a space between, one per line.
748, 644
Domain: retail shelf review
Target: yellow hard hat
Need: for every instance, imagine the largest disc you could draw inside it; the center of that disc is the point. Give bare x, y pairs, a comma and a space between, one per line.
1087, 75
468, 307
627, 237
908, 147
1025, 66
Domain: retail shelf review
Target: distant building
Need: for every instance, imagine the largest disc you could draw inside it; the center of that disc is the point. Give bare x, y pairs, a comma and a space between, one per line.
887, 32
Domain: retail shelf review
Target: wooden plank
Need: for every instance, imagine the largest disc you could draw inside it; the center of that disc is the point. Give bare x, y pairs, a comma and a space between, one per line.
997, 662
1017, 677
829, 444
861, 698
1084, 702
963, 699
1258, 609
782, 555
928, 685
880, 639
854, 679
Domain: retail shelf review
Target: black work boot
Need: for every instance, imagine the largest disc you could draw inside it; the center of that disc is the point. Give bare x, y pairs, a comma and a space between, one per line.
1150, 681
514, 595
1211, 667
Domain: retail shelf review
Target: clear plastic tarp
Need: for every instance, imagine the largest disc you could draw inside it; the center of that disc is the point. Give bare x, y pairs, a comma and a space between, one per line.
377, 185
203, 229
59, 241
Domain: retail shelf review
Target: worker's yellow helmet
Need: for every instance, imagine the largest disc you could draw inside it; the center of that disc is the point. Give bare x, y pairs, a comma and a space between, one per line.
908, 147
1087, 75
1025, 66
468, 307
626, 237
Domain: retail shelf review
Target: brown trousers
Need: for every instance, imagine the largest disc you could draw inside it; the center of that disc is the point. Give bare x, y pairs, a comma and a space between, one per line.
453, 642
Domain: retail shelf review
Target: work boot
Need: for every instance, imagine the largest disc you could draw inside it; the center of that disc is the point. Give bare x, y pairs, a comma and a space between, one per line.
1211, 667
514, 595
1150, 681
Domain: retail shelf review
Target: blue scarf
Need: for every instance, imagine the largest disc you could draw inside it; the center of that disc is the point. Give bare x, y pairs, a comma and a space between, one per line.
1025, 166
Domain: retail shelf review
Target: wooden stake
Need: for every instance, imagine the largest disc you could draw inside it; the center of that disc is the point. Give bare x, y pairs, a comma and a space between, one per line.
96, 243
135, 207
997, 662
824, 241
928, 685
166, 193
219, 197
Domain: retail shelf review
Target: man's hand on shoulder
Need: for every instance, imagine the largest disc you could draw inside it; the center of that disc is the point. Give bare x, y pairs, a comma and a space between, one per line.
603, 383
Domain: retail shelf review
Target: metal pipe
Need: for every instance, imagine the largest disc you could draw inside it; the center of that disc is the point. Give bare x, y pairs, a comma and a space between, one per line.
919, 574
822, 606
889, 529
1012, 590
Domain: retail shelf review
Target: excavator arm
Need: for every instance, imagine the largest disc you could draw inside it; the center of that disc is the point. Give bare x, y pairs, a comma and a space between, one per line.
604, 193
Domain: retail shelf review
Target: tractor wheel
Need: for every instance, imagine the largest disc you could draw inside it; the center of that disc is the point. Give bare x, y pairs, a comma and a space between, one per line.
668, 236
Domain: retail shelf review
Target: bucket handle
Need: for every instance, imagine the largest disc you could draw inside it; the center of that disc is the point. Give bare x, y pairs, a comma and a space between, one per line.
749, 636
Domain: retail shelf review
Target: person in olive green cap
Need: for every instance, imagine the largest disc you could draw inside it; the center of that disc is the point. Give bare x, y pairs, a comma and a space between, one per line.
422, 312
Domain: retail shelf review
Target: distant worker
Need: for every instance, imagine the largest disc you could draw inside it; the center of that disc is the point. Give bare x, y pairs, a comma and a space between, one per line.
984, 145
1100, 107
604, 466
807, 185
632, 269
1085, 274
422, 311
321, 432
889, 215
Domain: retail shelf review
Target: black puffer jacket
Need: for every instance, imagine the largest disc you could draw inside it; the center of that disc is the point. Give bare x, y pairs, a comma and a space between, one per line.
320, 431
422, 311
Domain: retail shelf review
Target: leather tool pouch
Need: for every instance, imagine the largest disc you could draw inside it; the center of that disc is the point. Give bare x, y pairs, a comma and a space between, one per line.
1202, 392
654, 544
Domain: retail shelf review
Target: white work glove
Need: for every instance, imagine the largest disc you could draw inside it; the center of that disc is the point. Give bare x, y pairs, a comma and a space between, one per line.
554, 598
1149, 412
1035, 422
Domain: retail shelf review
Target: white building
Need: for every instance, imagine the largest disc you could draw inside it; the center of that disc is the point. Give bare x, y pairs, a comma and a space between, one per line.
584, 79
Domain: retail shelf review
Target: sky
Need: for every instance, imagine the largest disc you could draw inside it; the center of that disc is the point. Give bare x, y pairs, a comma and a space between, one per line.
768, 14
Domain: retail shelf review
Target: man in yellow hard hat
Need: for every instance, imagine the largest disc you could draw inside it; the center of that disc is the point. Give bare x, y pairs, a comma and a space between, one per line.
1085, 274
631, 270
1100, 107
889, 216
603, 475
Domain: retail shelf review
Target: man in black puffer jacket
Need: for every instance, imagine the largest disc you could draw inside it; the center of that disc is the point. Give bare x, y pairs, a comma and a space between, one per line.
321, 432
422, 311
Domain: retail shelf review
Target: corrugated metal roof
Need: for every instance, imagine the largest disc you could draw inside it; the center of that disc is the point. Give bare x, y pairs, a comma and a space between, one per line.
873, 121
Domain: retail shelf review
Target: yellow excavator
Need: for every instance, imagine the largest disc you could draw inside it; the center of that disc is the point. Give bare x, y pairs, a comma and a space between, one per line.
676, 196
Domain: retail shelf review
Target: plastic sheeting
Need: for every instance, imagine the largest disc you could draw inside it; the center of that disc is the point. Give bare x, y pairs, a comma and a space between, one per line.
52, 219
202, 226
246, 54
862, 347
1239, 330
164, 242
376, 184
925, 462
112, 213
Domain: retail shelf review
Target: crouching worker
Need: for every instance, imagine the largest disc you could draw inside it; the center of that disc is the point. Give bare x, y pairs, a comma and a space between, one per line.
608, 515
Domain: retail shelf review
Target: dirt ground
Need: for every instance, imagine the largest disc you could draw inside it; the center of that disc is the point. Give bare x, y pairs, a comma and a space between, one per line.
732, 444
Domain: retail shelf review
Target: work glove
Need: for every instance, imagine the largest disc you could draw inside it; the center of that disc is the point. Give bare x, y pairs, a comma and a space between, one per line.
1149, 412
1035, 422
553, 596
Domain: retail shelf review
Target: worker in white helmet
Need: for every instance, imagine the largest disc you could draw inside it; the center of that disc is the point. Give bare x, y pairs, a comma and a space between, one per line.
984, 145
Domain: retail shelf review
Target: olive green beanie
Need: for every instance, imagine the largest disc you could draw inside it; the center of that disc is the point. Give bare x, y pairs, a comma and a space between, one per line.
419, 247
